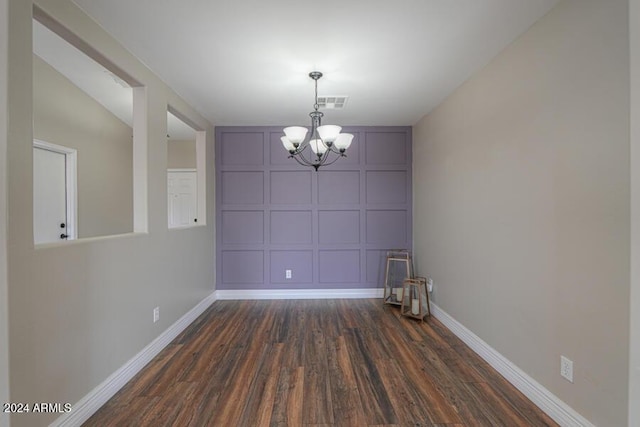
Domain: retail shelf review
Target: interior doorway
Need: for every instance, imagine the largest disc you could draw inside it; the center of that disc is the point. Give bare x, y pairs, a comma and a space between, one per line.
182, 197
54, 193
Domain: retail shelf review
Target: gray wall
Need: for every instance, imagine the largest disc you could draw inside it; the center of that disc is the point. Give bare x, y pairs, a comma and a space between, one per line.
634, 362
80, 310
65, 115
4, 304
330, 227
181, 154
521, 196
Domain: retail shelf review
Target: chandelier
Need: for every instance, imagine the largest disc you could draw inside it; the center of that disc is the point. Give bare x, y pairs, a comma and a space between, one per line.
325, 144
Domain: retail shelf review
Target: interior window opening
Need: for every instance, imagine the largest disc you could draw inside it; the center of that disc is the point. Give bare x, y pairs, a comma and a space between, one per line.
185, 172
83, 150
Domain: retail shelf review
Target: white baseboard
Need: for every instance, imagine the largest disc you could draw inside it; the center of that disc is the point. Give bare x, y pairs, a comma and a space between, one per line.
561, 413
242, 294
89, 404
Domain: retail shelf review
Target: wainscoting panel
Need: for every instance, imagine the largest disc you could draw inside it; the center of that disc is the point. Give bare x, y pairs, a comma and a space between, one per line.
338, 266
387, 148
291, 187
243, 148
242, 187
242, 267
339, 187
387, 227
299, 262
291, 227
242, 227
338, 227
331, 228
386, 187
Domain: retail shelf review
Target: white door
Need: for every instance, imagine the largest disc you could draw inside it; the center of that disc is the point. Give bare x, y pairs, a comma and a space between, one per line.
182, 198
49, 196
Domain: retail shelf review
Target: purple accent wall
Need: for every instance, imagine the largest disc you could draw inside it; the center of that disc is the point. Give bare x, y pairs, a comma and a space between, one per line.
331, 228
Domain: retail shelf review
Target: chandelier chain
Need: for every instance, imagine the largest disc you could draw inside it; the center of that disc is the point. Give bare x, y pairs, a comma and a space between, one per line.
315, 105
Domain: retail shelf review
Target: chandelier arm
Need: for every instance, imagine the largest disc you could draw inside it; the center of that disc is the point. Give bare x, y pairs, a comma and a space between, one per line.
299, 153
303, 162
335, 151
301, 148
332, 161
323, 160
301, 159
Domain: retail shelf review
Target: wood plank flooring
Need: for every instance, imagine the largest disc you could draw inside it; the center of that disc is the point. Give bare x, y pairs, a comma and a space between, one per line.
317, 363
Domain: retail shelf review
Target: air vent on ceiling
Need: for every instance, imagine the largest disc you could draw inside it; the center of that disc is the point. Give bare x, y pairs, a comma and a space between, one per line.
332, 102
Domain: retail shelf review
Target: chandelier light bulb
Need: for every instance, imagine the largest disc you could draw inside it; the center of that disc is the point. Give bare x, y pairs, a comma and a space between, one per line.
317, 146
288, 145
343, 141
295, 134
329, 133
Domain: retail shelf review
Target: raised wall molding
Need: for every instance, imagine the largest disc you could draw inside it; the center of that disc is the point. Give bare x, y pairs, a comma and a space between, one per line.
331, 228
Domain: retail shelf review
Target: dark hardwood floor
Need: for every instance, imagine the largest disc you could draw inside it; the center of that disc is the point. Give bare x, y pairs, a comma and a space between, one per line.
317, 363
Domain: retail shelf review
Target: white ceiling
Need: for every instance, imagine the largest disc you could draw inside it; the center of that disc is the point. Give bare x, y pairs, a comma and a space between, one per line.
246, 62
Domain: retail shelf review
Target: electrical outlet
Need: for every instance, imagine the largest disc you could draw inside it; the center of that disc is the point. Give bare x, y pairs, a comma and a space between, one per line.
430, 284
566, 368
287, 274
156, 314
